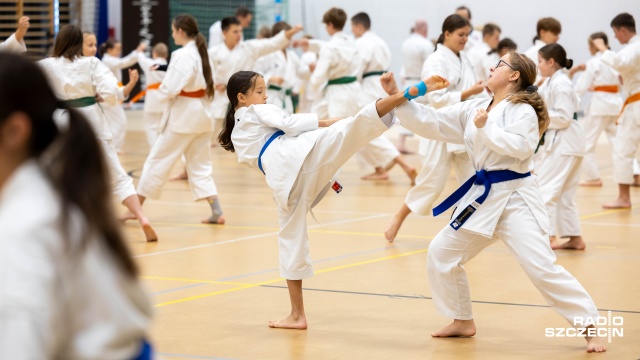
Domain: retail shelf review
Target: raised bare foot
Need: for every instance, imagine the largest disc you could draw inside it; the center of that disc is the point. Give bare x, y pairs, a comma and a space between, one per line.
149, 233
220, 220
290, 322
127, 216
596, 183
182, 176
376, 176
392, 229
553, 242
618, 204
574, 243
412, 174
457, 328
595, 344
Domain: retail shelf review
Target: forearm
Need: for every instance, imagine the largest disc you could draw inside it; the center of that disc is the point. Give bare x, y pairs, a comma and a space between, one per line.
126, 90
385, 105
328, 122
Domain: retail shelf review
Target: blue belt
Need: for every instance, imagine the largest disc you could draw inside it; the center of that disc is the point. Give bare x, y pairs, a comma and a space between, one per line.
482, 177
146, 353
275, 135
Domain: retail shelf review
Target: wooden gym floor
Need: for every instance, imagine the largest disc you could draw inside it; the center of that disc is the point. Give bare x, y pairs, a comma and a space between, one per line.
215, 287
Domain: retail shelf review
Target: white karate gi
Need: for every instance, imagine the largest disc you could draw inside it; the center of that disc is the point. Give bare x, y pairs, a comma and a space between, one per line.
299, 165
627, 63
153, 109
288, 68
115, 113
242, 57
532, 53
601, 113
307, 97
186, 128
477, 56
439, 157
86, 77
513, 210
13, 45
376, 56
415, 50
216, 36
561, 155
57, 301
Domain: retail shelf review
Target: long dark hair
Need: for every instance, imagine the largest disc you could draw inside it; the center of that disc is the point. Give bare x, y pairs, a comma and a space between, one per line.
452, 23
107, 45
526, 93
239, 83
68, 42
189, 25
557, 53
72, 158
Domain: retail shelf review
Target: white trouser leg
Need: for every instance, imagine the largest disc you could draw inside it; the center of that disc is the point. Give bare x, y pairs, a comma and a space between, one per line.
529, 244
157, 168
151, 124
121, 183
431, 179
567, 213
199, 167
332, 149
627, 141
379, 152
118, 123
592, 126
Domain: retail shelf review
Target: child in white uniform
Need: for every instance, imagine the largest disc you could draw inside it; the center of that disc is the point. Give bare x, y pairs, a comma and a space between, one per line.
187, 124
15, 42
561, 154
110, 52
86, 84
450, 62
500, 135
152, 108
298, 160
603, 109
68, 285
547, 32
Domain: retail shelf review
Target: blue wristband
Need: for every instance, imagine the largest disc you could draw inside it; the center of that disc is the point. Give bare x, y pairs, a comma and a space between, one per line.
422, 89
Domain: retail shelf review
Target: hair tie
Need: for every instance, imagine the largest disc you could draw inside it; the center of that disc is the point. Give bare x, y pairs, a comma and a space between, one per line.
531, 89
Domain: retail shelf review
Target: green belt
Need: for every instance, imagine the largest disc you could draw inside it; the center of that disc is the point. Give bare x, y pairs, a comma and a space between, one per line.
274, 87
373, 73
342, 80
575, 116
287, 92
80, 102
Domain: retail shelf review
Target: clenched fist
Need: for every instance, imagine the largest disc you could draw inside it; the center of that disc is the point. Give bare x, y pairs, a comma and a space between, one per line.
481, 118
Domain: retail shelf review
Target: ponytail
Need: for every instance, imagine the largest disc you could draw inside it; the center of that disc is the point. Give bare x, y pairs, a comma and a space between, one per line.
527, 92
69, 154
440, 39
557, 53
189, 25
451, 24
239, 83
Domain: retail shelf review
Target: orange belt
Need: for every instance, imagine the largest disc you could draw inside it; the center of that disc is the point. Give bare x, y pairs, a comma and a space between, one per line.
606, 88
631, 99
193, 94
142, 93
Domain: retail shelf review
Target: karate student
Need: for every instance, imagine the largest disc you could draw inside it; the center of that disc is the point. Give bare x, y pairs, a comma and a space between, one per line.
504, 46
68, 285
478, 54
187, 123
547, 32
306, 96
216, 33
450, 62
501, 201
380, 153
298, 160
86, 84
152, 108
110, 51
281, 71
475, 37
563, 149
15, 42
603, 109
627, 63
235, 55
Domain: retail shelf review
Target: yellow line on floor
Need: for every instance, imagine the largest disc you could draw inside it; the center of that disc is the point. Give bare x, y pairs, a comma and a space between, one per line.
248, 286
367, 234
194, 280
603, 213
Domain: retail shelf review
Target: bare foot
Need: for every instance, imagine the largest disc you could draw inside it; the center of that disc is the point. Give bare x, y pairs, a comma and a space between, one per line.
457, 328
595, 344
413, 174
376, 176
405, 151
182, 176
392, 229
636, 180
127, 216
574, 243
149, 233
596, 183
553, 242
290, 322
218, 221
618, 204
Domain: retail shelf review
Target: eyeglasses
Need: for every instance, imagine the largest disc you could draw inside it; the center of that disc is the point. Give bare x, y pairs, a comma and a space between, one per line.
504, 62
